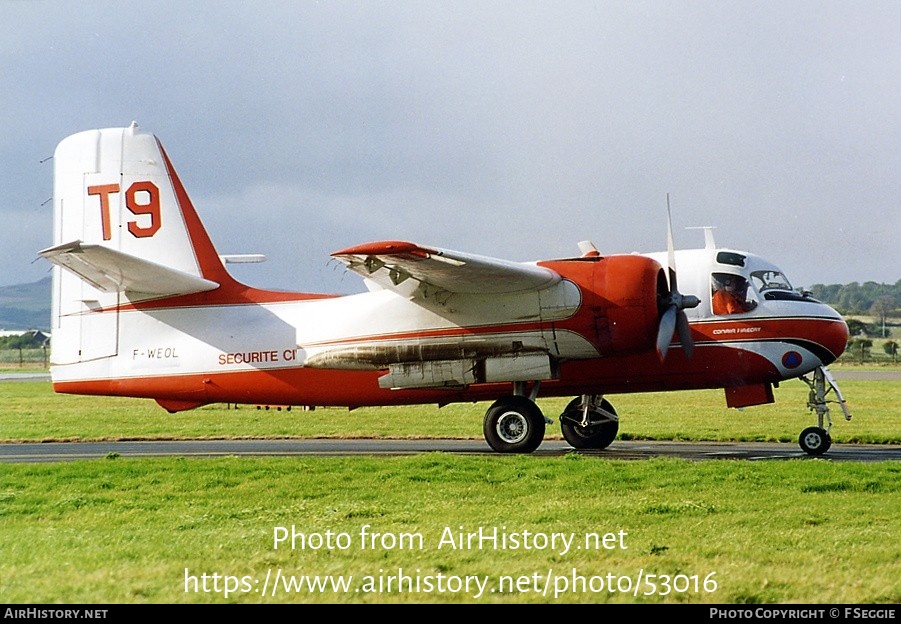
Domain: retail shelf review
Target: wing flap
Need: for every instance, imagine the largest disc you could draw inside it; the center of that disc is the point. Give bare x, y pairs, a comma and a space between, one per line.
391, 263
109, 270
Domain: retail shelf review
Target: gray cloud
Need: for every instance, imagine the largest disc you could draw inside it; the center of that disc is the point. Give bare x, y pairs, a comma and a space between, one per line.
512, 129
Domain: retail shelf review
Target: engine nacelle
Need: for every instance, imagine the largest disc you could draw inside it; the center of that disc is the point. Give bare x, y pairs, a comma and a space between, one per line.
620, 308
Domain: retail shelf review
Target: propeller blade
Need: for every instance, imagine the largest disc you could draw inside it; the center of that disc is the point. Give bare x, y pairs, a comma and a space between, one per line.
665, 333
671, 249
684, 331
674, 317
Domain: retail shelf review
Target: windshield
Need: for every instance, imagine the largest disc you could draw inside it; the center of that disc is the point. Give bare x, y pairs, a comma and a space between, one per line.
770, 280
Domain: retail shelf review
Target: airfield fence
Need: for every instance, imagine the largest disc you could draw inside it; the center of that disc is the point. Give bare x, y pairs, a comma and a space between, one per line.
24, 358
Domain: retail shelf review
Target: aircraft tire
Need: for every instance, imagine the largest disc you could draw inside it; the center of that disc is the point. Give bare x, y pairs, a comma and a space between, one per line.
514, 424
598, 436
815, 441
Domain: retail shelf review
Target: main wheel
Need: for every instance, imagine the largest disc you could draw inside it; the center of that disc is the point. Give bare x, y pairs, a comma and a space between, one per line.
815, 441
514, 425
600, 432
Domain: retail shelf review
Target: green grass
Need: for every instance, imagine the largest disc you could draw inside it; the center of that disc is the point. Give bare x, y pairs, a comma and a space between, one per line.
33, 412
122, 530
125, 531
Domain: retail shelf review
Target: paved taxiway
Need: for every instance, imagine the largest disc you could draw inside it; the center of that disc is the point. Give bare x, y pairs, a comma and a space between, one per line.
635, 449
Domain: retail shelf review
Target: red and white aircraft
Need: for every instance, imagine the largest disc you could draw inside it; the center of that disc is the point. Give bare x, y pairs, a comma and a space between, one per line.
143, 306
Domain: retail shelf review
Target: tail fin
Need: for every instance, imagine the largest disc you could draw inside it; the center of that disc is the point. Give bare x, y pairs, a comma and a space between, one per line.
124, 231
121, 211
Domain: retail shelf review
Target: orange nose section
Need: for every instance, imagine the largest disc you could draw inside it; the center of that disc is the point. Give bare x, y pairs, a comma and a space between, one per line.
833, 336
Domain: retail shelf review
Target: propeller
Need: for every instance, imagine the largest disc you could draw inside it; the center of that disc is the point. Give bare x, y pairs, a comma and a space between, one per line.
673, 318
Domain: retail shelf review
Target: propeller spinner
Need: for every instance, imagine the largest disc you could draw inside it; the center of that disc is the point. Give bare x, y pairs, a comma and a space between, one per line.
674, 303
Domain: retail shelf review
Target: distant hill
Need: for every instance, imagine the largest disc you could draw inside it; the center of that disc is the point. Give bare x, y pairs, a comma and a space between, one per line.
25, 306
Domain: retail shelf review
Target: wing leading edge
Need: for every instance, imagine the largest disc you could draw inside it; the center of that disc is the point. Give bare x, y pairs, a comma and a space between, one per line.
391, 263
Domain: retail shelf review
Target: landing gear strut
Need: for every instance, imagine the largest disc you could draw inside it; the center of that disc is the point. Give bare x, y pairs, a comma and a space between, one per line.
816, 440
589, 422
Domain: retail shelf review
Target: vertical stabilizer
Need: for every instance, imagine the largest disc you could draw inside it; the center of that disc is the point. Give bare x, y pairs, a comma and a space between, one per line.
116, 188
124, 232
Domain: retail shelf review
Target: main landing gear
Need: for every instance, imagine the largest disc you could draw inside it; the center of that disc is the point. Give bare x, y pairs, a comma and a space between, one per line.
816, 440
589, 422
515, 424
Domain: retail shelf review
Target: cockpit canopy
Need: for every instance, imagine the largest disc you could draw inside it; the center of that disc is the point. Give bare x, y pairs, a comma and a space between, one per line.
741, 281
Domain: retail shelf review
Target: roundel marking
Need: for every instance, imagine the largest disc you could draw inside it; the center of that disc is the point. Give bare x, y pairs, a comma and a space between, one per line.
792, 359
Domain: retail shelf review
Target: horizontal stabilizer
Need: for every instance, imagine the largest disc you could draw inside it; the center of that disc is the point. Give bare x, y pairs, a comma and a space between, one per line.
390, 263
109, 270
242, 258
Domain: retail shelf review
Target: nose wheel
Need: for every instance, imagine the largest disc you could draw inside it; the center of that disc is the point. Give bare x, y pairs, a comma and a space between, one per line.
816, 440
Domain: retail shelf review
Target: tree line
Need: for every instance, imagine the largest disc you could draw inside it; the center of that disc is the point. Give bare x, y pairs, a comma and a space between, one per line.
25, 340
881, 301
870, 298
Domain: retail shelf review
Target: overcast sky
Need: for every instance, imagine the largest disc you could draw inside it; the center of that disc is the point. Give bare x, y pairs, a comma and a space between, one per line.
512, 129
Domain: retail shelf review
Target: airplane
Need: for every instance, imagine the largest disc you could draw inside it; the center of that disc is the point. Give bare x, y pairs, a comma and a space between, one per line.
143, 306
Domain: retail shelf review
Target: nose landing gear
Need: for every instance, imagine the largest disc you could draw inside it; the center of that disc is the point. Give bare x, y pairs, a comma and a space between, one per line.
816, 440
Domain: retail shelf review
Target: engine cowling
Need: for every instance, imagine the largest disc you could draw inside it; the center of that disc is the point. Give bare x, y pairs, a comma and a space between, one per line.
621, 297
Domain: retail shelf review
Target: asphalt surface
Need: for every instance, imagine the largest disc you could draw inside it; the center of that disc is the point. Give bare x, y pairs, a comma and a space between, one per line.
35, 452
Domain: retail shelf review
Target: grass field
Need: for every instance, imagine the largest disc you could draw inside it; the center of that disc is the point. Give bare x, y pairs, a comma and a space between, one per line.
125, 531
33, 412
387, 530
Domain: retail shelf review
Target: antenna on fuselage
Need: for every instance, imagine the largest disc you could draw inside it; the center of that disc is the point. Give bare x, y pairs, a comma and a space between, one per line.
709, 243
588, 249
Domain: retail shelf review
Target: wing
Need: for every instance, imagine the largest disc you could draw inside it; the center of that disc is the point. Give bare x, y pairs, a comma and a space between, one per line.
391, 263
109, 270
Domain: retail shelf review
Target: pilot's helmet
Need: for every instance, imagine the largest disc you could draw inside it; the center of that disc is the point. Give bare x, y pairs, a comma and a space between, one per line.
730, 280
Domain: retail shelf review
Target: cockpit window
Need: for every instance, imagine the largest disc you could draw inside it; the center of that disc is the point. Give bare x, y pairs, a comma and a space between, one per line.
773, 286
770, 280
730, 257
729, 294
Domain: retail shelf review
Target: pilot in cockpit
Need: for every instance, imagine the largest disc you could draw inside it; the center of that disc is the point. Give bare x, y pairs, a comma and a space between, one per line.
730, 294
